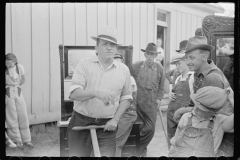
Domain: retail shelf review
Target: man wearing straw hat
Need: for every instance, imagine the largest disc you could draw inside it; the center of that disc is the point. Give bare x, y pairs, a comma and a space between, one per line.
101, 90
150, 82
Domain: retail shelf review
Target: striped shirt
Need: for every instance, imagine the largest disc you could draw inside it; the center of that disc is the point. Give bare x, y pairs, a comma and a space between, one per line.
90, 75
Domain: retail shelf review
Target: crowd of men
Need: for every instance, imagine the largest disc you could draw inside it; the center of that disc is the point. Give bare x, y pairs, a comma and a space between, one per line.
105, 93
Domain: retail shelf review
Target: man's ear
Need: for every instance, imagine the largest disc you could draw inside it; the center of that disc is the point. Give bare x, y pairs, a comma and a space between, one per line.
155, 55
145, 54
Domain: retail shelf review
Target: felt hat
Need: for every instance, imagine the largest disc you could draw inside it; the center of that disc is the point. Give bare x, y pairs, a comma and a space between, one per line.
107, 33
182, 45
199, 32
151, 47
210, 99
198, 42
177, 57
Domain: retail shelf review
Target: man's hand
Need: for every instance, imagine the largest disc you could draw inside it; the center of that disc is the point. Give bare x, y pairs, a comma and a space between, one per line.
172, 96
105, 97
111, 125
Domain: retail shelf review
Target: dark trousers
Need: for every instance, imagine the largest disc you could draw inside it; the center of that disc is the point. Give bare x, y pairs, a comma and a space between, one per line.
80, 141
148, 128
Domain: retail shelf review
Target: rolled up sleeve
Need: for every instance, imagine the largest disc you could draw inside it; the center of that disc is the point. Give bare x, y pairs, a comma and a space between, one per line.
78, 79
126, 93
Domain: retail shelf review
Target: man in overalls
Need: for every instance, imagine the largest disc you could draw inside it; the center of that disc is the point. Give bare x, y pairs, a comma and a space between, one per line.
180, 95
175, 72
150, 83
200, 132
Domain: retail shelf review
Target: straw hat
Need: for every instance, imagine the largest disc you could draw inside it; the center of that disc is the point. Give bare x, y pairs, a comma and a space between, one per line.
198, 42
107, 33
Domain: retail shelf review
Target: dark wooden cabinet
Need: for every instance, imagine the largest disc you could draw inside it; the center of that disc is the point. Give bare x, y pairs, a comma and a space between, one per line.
217, 28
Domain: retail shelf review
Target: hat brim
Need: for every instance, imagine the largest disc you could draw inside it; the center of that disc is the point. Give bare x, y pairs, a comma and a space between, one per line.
201, 46
95, 39
149, 51
175, 61
198, 105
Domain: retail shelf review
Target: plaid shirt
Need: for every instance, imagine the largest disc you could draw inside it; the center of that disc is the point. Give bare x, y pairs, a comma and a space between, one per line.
198, 81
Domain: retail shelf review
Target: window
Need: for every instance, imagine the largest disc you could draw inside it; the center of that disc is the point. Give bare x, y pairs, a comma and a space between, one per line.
161, 16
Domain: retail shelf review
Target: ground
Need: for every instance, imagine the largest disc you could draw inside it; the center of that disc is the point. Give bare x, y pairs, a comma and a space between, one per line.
47, 143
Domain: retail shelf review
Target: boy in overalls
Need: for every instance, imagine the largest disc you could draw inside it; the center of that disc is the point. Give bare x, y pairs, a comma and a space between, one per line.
180, 95
200, 132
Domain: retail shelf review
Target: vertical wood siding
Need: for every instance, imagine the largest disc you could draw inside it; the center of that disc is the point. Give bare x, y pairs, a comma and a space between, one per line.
34, 31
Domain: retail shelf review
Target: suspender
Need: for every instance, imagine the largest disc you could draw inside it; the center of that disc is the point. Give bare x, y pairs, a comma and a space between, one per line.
209, 126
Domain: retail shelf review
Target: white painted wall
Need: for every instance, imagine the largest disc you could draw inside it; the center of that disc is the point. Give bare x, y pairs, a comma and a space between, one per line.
35, 30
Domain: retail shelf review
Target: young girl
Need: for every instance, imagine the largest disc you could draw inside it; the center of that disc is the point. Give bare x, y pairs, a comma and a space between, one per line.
200, 131
16, 111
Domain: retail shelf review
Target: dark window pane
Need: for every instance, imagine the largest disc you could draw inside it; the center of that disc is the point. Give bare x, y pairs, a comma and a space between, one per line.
161, 16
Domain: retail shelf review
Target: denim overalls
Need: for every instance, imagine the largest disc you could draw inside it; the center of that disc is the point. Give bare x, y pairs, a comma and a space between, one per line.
193, 141
182, 90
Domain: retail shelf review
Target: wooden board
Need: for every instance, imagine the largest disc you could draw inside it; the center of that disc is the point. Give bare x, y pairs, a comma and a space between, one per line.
91, 23
143, 29
56, 38
189, 27
69, 24
102, 15
199, 22
40, 57
112, 14
22, 46
128, 24
120, 23
8, 29
173, 36
81, 24
184, 26
194, 25
179, 28
150, 23
136, 32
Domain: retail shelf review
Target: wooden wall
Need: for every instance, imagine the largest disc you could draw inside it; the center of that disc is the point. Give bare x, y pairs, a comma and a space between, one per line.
35, 30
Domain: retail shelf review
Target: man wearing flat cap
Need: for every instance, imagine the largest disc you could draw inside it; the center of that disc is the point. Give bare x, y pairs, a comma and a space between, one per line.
101, 91
175, 73
206, 72
150, 82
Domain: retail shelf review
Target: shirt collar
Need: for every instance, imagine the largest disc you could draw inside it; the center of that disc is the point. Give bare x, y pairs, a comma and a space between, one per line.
95, 59
201, 119
211, 66
146, 66
188, 74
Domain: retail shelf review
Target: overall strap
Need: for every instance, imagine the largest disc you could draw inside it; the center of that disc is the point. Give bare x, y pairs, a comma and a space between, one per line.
137, 69
189, 122
17, 69
211, 123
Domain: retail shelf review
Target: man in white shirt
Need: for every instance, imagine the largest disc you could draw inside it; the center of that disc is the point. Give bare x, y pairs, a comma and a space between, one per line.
160, 56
